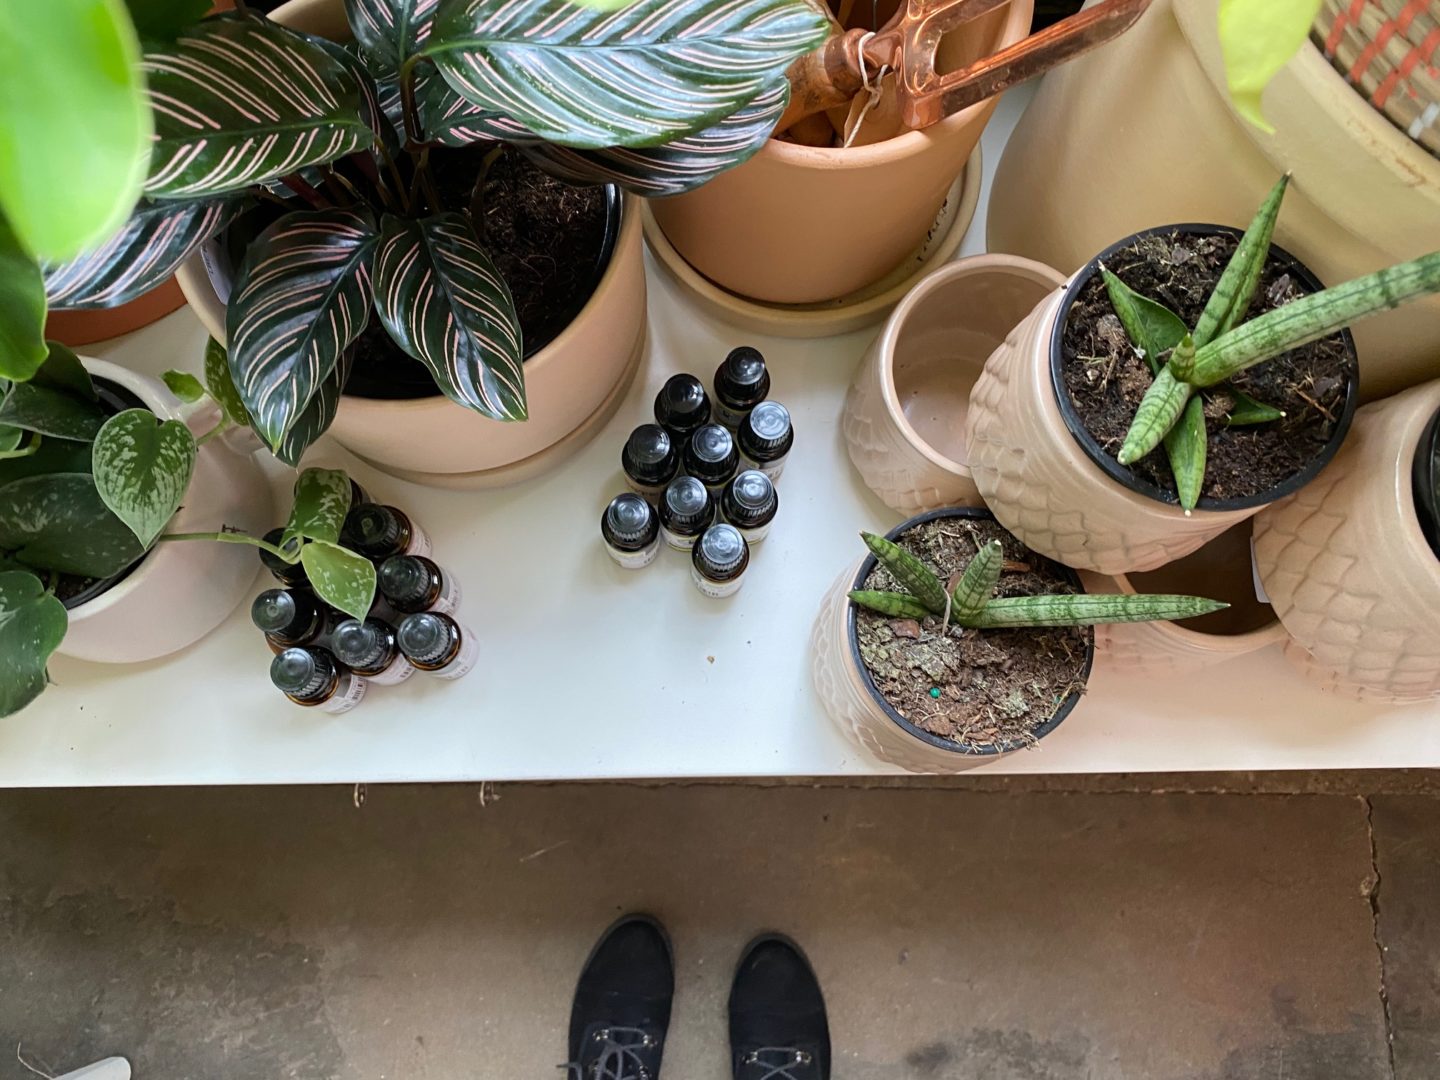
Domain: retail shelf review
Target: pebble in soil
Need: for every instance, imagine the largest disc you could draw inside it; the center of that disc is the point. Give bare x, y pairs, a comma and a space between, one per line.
996, 687
1106, 379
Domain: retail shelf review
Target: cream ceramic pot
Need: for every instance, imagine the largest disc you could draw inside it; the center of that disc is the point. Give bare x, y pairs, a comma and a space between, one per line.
904, 420
1348, 569
801, 224
1094, 158
184, 589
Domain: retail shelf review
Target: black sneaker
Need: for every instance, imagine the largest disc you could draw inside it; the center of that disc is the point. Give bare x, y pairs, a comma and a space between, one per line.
778, 1029
622, 1004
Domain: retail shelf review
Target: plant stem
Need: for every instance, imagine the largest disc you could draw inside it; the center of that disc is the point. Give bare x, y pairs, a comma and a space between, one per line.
407, 101
306, 192
427, 183
394, 171
23, 451
340, 189
366, 165
233, 538
216, 430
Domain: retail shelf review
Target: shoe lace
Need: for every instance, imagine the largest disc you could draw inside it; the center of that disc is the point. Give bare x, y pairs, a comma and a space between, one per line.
617, 1058
778, 1062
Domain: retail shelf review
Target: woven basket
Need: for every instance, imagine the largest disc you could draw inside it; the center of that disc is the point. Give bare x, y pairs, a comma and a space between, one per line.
1389, 50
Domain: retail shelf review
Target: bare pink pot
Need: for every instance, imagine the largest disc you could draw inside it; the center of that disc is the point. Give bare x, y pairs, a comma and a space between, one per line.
801, 224
904, 420
1348, 569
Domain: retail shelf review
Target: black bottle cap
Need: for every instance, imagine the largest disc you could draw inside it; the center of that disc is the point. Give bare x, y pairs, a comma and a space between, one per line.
373, 530
766, 433
686, 506
650, 457
750, 499
629, 523
289, 573
721, 553
276, 611
407, 579
710, 455
361, 644
302, 672
682, 404
427, 637
741, 380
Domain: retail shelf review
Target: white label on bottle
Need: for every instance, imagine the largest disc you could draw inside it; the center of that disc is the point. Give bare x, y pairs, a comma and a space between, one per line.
449, 600
755, 535
463, 663
399, 670
772, 469
347, 695
634, 560
723, 414
420, 543
716, 589
676, 541
649, 491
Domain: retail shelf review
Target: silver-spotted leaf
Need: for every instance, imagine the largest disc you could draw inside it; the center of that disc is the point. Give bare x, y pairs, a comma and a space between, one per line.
648, 73
341, 578
301, 297
322, 499
142, 467
242, 101
32, 625
51, 412
221, 386
149, 247
444, 302
57, 521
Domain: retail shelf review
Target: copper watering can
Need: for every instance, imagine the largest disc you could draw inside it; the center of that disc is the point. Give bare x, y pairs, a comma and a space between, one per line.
840, 68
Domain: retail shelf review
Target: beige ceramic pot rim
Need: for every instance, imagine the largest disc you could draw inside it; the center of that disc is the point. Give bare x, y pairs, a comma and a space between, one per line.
993, 264
1239, 644
1412, 534
1125, 477
852, 643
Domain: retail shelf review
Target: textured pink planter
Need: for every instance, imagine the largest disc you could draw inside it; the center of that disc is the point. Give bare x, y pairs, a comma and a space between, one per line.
904, 420
1348, 568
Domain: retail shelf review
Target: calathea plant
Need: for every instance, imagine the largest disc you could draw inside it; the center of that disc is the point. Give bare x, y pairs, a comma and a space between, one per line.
972, 603
85, 495
657, 96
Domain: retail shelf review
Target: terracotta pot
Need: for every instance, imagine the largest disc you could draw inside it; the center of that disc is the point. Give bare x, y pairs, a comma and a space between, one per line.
182, 590
1093, 158
857, 707
801, 224
76, 328
1221, 570
1349, 570
1051, 484
904, 421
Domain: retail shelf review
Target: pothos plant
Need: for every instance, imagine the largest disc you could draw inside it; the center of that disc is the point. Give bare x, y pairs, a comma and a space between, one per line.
85, 496
657, 96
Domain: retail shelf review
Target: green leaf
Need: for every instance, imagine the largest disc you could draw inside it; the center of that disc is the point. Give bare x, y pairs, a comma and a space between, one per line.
10, 438
301, 297
53, 456
32, 625
162, 20
1236, 288
51, 412
370, 105
1152, 328
650, 73
1257, 39
149, 247
185, 386
242, 101
74, 126
1187, 445
341, 578
444, 302
322, 499
390, 31
318, 415
221, 386
1087, 610
895, 605
1247, 411
909, 571
1160, 408
977, 585
64, 371
57, 521
22, 302
142, 469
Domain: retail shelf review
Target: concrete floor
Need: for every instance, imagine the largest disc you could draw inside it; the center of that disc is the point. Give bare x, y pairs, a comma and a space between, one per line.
993, 931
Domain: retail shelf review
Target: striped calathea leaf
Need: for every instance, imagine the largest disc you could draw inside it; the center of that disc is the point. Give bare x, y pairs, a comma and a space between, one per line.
318, 415
149, 248
390, 31
301, 297
444, 302
649, 73
240, 101
370, 108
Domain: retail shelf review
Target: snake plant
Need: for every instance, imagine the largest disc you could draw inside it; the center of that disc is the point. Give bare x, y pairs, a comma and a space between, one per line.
1222, 345
657, 96
972, 602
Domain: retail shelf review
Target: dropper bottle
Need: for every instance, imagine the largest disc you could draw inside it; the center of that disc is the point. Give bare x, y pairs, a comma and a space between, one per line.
412, 583
438, 645
290, 618
370, 650
681, 406
314, 678
741, 383
378, 532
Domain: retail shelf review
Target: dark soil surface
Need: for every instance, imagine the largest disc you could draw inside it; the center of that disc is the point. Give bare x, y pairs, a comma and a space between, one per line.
1106, 379
996, 686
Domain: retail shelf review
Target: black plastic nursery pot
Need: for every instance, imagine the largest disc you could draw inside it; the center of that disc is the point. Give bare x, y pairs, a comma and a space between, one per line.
1141, 485
1061, 712
1424, 478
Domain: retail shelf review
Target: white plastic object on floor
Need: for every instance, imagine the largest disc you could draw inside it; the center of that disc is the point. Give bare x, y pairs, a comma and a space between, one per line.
115, 1068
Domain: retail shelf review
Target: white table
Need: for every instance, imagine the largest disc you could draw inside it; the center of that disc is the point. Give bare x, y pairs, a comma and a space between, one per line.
593, 672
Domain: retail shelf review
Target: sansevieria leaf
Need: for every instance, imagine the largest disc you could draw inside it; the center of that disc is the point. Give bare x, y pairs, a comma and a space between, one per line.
151, 245
648, 73
301, 297
142, 468
241, 101
443, 301
389, 31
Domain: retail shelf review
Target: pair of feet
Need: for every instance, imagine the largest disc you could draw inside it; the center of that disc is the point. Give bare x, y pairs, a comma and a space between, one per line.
618, 1024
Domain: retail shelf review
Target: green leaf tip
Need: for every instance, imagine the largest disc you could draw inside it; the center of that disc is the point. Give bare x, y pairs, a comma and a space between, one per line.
1231, 297
915, 576
894, 605
1086, 609
977, 584
1159, 410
